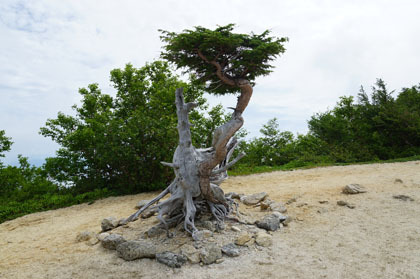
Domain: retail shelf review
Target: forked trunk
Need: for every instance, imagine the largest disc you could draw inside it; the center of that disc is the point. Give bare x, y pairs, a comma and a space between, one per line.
199, 172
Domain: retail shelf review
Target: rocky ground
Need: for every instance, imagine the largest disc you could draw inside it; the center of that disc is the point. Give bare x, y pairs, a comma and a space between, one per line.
374, 233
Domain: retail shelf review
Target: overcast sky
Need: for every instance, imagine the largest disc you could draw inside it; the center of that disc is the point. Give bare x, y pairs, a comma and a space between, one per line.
49, 49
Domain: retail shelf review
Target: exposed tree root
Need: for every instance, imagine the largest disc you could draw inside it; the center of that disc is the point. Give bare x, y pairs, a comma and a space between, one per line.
198, 174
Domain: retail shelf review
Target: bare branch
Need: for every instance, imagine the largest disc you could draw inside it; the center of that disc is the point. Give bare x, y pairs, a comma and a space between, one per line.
219, 73
182, 109
172, 165
190, 106
135, 216
230, 164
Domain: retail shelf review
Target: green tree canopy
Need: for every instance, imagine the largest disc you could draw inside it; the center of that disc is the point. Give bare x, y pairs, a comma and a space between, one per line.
220, 58
5, 144
377, 127
118, 142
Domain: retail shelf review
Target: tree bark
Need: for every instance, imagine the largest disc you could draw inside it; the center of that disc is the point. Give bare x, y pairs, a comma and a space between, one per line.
199, 172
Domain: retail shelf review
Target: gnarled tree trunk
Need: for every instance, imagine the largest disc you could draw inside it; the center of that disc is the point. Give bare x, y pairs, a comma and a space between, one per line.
199, 172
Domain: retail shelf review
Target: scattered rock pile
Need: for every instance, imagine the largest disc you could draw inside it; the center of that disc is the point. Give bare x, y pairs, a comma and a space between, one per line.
214, 240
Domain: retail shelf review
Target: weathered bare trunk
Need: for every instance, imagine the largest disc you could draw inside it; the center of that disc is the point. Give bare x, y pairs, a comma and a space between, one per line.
199, 172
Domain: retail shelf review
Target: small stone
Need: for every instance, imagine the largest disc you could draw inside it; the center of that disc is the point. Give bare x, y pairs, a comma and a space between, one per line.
403, 197
93, 241
201, 235
322, 210
279, 215
155, 231
264, 239
254, 198
354, 189
132, 250
265, 204
299, 218
322, 202
397, 180
233, 195
191, 253
122, 222
109, 223
278, 206
255, 230
210, 254
290, 201
112, 241
342, 203
270, 222
170, 259
235, 229
249, 220
243, 239
301, 204
141, 203
250, 243
84, 236
148, 213
219, 261
231, 250
286, 221
101, 236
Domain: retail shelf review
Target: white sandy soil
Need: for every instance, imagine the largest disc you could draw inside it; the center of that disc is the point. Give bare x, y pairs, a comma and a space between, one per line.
379, 238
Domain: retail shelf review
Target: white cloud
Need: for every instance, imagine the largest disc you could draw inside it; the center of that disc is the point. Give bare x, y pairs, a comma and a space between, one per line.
49, 49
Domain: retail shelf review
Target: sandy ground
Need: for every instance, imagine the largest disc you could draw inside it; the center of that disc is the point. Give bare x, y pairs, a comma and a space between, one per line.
379, 238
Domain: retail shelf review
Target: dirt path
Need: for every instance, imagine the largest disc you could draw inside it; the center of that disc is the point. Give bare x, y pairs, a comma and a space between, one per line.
380, 238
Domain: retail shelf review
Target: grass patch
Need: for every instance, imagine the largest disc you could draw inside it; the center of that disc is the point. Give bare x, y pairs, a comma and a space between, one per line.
294, 165
11, 209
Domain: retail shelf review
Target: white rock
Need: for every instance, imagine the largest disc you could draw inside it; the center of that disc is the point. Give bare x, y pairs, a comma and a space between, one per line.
354, 189
235, 229
254, 198
264, 239
109, 223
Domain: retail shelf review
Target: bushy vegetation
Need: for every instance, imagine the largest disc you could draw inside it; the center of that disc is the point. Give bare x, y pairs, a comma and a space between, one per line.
25, 189
377, 127
117, 143
114, 145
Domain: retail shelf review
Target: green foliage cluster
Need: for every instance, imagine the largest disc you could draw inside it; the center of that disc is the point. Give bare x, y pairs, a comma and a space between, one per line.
117, 143
239, 56
5, 144
281, 148
25, 189
111, 146
379, 127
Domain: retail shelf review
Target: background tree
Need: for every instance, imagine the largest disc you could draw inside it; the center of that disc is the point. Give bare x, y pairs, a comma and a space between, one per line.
118, 142
5, 144
273, 148
377, 127
224, 62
